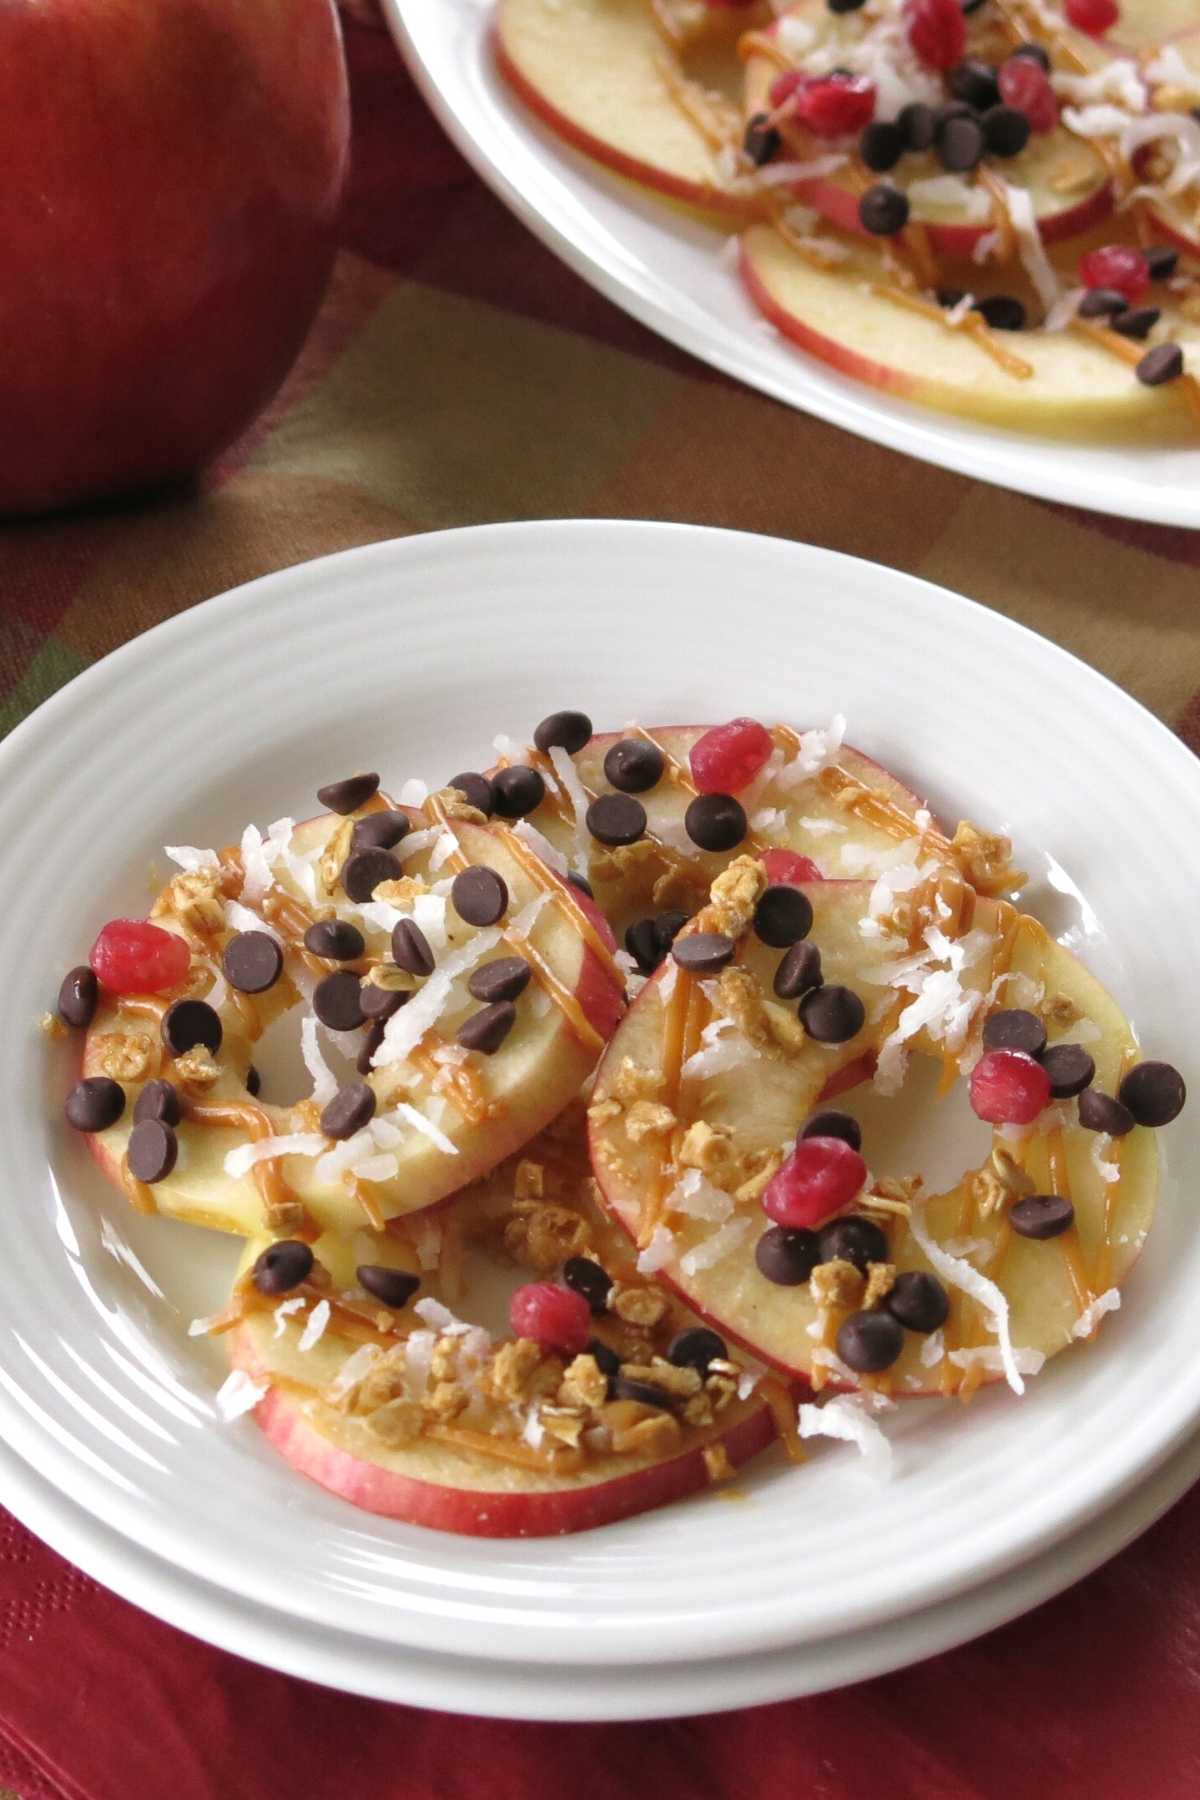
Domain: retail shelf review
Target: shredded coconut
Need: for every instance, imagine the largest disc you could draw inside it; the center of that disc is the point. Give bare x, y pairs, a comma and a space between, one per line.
405, 1029
950, 191
986, 246
239, 1162
696, 1197
238, 1394
1106, 1170
382, 1167
506, 746
314, 1329
715, 1248
1090, 1317
1118, 80
995, 1361
190, 859
440, 1318
783, 174
822, 827
541, 846
845, 1416
960, 1274
258, 869
444, 847
724, 1047
1037, 265
418, 1358
412, 1116
933, 1349
818, 748
285, 1309
658, 1252
1063, 311
240, 918
415, 792
324, 1080
533, 1430
352, 1371
572, 787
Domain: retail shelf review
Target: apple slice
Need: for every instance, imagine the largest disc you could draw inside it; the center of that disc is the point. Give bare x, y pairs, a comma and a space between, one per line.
754, 1091
444, 1113
1174, 217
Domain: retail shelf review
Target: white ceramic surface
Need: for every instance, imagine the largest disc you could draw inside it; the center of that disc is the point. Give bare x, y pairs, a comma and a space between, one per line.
662, 266
409, 656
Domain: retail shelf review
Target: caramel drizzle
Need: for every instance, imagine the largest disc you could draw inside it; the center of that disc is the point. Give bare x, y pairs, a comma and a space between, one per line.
282, 1208
778, 1398
972, 325
679, 1008
1132, 354
563, 896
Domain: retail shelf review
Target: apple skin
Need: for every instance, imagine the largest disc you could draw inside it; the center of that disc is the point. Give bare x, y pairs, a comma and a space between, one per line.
173, 175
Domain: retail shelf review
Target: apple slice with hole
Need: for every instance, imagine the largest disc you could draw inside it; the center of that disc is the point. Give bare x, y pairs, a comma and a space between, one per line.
762, 1099
463, 1115
1175, 218
956, 213
1076, 387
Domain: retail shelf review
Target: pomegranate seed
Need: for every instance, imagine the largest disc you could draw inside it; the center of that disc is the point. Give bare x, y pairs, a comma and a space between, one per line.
1117, 266
727, 758
1009, 1088
821, 1175
786, 86
133, 957
787, 869
555, 1317
1025, 85
836, 105
936, 31
1092, 16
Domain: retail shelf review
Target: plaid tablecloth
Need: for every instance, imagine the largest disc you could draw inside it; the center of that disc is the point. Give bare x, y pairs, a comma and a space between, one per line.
458, 373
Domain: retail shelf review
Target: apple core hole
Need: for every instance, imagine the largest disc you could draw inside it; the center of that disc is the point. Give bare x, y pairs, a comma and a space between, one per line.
915, 1133
284, 1073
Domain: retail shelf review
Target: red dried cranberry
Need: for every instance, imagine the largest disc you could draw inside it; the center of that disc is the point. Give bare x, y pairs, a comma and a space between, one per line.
1009, 1088
1117, 266
937, 32
727, 758
1093, 16
131, 956
555, 1317
785, 868
836, 105
1024, 84
821, 1175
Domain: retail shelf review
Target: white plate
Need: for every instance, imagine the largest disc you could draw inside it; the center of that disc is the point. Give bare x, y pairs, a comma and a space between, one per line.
662, 266
415, 653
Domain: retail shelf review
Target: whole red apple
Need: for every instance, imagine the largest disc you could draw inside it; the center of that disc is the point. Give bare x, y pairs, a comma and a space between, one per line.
172, 176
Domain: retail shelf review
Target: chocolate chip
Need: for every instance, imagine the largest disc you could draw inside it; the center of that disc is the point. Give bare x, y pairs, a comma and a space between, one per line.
644, 1392
854, 1240
485, 1031
159, 1100
783, 916
363, 870
1153, 1092
380, 831
1015, 1029
337, 1001
835, 1125
516, 791
1100, 1112
918, 1300
787, 1257
616, 819
703, 952
480, 896
641, 941
503, 979
335, 939
153, 1148
634, 766
253, 1082
1162, 364
883, 210
1162, 260
607, 1361
1070, 1069
799, 972
667, 927
949, 296
881, 146
380, 1003
187, 1023
843, 6
410, 948
832, 1015
476, 790
348, 795
253, 962
975, 82
391, 1287
590, 1280
78, 997
961, 144
370, 1044
282, 1266
1036, 52
581, 882
350, 1109
1137, 321
1099, 303
1003, 312
696, 1348
715, 821
1041, 1215
870, 1341
917, 123
1005, 130
95, 1103
760, 140
568, 731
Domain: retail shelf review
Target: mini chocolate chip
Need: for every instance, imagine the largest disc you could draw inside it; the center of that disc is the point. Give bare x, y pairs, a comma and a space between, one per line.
380, 831
1070, 1069
881, 146
843, 6
634, 766
832, 1015
503, 979
918, 1300
696, 1348
1041, 1215
1005, 130
783, 916
485, 1031
1162, 364
282, 1266
961, 144
1003, 312
616, 819
667, 927
336, 940
253, 1082
1036, 52
476, 790
153, 1148
159, 1100
78, 997
641, 941
975, 82
348, 795
590, 1280
1137, 321
253, 962
370, 1044
187, 1023
1162, 260
1153, 1092
337, 1001
607, 1361
410, 948
787, 1257
391, 1287
715, 821
1100, 1112
854, 1240
644, 1392
480, 896
1098, 303
799, 972
568, 731
1012, 1028
516, 791
883, 210
95, 1103
703, 952
760, 140
870, 1341
950, 296
350, 1109
835, 1125
381, 1003
581, 882
363, 870
918, 124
